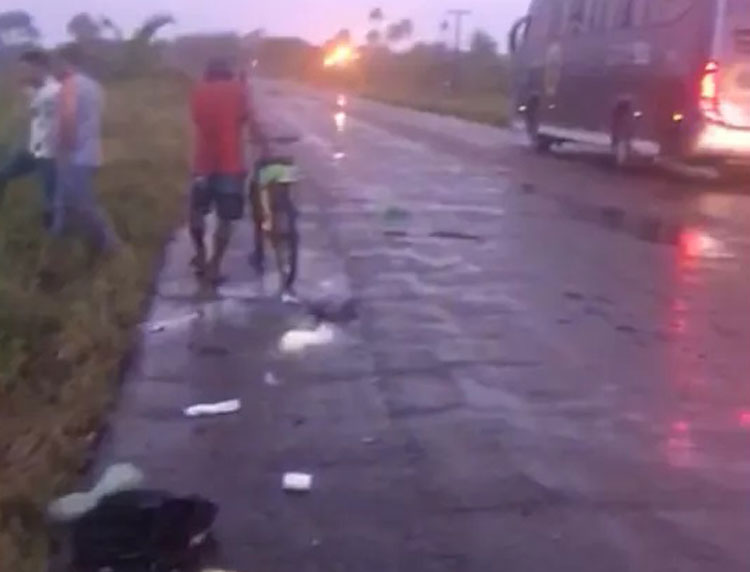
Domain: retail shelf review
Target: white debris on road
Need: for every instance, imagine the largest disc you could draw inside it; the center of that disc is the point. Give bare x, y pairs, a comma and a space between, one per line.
295, 341
297, 482
208, 409
117, 478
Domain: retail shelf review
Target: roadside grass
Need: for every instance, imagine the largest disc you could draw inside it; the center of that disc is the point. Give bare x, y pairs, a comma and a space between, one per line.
66, 324
489, 108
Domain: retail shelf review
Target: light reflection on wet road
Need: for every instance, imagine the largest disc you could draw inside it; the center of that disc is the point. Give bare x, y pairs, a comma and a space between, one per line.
549, 370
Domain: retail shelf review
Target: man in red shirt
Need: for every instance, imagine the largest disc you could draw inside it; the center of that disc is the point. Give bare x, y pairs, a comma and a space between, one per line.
220, 114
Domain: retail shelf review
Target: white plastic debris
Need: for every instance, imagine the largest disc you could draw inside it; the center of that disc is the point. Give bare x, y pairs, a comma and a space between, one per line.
289, 298
208, 409
297, 482
117, 478
270, 379
299, 340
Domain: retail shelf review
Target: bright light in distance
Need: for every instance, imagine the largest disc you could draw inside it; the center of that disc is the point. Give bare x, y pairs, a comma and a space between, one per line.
340, 119
340, 56
341, 101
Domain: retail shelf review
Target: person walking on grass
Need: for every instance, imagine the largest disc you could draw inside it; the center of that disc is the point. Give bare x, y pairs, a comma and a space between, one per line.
79, 154
220, 115
38, 157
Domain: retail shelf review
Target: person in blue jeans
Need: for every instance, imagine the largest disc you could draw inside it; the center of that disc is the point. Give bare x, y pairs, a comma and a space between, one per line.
38, 157
78, 154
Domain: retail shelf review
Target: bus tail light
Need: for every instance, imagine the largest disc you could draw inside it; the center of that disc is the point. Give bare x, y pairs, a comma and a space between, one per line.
709, 96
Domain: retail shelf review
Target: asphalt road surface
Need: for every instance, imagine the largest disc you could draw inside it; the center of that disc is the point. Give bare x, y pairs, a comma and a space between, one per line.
548, 369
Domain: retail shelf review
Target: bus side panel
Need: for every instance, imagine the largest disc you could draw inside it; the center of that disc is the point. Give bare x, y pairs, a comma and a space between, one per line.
669, 90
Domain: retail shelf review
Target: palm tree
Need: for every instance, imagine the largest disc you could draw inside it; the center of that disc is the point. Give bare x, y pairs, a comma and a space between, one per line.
376, 16
148, 30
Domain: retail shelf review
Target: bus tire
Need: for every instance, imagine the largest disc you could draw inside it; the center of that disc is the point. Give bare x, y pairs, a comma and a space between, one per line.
540, 143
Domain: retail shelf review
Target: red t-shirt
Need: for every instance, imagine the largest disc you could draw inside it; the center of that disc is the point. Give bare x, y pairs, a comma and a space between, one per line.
219, 110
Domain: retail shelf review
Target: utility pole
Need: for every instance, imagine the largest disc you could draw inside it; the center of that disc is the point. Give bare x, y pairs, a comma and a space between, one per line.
458, 17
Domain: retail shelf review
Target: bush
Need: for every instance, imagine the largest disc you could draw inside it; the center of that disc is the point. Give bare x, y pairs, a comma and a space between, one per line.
65, 324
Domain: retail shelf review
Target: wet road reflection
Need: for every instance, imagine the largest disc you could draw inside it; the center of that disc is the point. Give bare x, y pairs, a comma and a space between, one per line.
552, 356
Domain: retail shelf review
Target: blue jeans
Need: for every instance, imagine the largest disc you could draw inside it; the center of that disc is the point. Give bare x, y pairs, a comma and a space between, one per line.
23, 164
77, 209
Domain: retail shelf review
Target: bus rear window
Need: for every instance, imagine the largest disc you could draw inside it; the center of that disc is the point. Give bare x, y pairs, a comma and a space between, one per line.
737, 27
666, 11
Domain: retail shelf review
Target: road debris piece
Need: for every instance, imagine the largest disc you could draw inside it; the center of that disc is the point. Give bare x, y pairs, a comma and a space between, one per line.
270, 379
333, 309
117, 478
297, 482
368, 440
208, 409
395, 214
295, 341
144, 530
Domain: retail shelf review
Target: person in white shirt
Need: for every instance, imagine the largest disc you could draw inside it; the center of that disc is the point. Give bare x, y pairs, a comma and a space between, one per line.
38, 158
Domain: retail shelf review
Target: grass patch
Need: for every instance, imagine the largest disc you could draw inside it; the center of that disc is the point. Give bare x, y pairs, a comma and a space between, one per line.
65, 325
488, 108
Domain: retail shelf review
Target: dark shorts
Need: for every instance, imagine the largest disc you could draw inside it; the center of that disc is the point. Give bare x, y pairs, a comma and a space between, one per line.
223, 193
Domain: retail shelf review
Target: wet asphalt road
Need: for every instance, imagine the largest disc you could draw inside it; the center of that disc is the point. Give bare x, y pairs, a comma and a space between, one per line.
548, 370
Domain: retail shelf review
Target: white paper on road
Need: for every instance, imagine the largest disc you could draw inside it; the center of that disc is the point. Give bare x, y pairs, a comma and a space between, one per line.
117, 478
297, 482
299, 340
207, 409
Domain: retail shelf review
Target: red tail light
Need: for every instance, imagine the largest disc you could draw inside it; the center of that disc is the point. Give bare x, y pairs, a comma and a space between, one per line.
710, 88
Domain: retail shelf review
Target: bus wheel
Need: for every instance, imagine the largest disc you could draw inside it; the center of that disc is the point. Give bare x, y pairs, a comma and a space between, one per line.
622, 140
540, 143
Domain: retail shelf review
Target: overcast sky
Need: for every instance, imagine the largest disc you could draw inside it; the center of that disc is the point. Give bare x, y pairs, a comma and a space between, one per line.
312, 19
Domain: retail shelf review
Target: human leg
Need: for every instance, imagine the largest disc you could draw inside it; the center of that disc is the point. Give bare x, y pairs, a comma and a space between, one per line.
229, 208
19, 164
81, 209
200, 205
46, 173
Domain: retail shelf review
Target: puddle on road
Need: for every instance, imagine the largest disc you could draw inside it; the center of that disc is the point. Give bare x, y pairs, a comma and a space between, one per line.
693, 241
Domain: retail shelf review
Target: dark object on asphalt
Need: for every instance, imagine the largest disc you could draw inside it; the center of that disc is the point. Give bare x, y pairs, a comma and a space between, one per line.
333, 311
143, 530
454, 235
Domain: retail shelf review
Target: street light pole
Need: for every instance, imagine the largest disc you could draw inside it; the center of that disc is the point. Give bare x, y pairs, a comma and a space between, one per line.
458, 17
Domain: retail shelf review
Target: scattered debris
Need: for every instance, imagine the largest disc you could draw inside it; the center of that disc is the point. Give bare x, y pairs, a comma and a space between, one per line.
295, 341
270, 379
117, 478
454, 235
297, 482
144, 530
368, 440
333, 309
207, 409
396, 233
571, 295
289, 298
395, 214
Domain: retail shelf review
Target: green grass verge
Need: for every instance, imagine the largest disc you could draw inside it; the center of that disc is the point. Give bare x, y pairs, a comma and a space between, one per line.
65, 325
488, 108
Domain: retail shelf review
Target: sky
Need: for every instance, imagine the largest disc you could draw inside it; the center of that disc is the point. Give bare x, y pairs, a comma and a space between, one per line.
315, 20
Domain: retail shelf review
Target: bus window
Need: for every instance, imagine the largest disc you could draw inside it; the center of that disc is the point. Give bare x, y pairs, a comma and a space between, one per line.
576, 17
666, 11
625, 14
595, 9
555, 19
